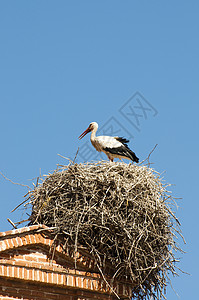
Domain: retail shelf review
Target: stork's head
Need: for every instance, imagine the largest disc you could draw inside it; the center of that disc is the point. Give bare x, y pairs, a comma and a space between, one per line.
93, 126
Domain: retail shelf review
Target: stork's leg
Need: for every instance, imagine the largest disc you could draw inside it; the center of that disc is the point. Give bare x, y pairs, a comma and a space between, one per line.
110, 158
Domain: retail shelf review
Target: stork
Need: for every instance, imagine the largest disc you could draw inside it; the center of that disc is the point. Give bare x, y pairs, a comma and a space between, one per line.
113, 147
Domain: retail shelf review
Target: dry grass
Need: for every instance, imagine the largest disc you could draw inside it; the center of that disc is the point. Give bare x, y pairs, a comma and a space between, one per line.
121, 213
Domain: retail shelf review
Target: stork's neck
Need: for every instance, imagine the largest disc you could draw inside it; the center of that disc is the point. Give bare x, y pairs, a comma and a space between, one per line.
93, 134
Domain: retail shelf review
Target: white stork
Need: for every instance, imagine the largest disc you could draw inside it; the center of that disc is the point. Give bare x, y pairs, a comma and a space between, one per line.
113, 147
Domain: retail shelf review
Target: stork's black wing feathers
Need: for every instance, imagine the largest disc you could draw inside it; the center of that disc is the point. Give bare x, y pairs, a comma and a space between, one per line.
123, 151
122, 140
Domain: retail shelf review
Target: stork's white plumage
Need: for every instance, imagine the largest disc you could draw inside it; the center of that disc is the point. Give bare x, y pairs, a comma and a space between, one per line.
113, 147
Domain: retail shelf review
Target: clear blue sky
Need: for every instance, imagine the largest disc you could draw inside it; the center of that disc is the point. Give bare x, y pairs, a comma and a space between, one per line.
64, 64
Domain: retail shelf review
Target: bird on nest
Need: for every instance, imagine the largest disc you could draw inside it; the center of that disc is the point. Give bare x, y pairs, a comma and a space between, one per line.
113, 147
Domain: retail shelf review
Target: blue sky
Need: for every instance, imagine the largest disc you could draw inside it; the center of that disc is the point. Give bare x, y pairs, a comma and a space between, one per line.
64, 64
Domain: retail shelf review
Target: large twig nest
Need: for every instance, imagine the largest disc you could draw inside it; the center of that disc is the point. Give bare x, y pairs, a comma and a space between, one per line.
121, 213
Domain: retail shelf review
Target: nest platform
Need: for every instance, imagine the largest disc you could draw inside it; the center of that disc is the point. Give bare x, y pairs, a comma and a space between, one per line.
120, 213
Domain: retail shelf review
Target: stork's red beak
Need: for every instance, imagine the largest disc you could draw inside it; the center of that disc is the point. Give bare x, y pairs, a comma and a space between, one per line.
84, 133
